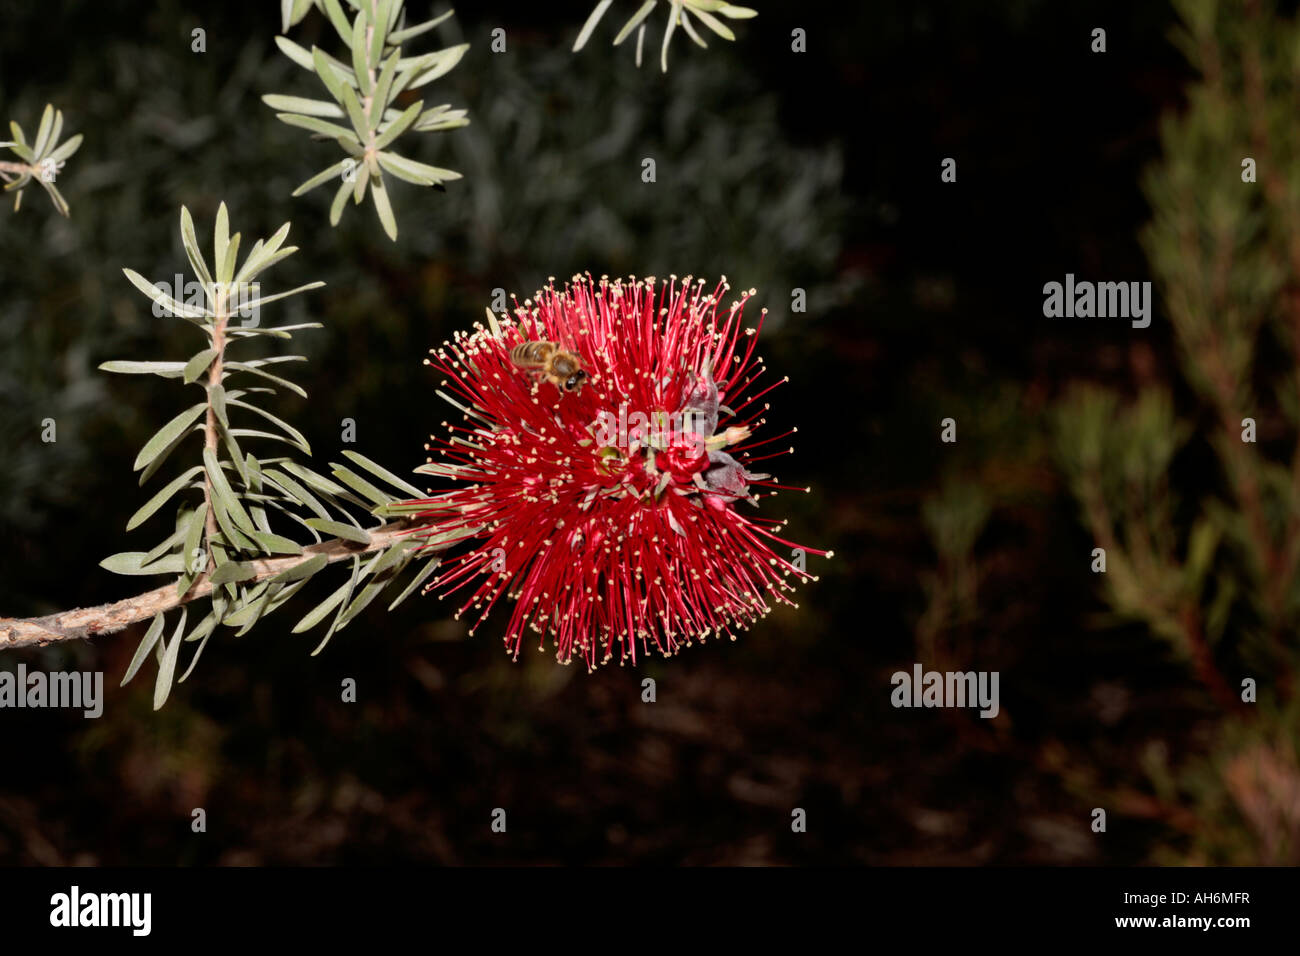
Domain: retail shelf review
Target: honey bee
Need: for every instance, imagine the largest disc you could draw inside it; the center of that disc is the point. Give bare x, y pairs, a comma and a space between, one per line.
562, 369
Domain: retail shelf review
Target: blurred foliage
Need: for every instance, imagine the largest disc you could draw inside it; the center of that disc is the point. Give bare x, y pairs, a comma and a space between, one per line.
42, 159
680, 13
366, 94
1215, 575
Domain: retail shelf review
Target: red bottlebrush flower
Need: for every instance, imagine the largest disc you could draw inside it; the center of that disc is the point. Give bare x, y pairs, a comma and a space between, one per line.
605, 506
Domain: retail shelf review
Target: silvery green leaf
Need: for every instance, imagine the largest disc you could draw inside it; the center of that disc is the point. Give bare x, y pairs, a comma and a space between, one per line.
690, 30
410, 33
340, 201
217, 398
234, 571
17, 132
43, 133
193, 536
668, 36
587, 28
191, 243
163, 299
126, 367
384, 208
415, 172
334, 74
257, 303
323, 176
632, 22
443, 63
246, 367
146, 645
317, 614
380, 33
360, 122
301, 572
277, 544
297, 437
384, 88
416, 581
360, 485
226, 268
198, 651
317, 125
383, 473
70, 146
220, 241
161, 498
131, 562
340, 530
197, 365
441, 118
737, 13
56, 197
399, 125
346, 596
340, 22
169, 433
167, 667
301, 104
296, 491
222, 493
293, 51
360, 63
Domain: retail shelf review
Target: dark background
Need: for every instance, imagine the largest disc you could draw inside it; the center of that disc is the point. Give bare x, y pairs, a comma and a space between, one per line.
817, 171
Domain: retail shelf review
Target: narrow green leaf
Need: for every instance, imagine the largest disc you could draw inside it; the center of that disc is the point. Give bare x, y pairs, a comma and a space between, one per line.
64, 152
361, 486
360, 63
220, 241
130, 562
234, 571
297, 437
340, 530
384, 208
399, 125
163, 369
198, 365
161, 498
324, 176
222, 493
167, 302
192, 553
191, 243
419, 579
415, 172
317, 125
410, 33
277, 544
167, 669
340, 22
301, 572
43, 133
590, 25
340, 201
146, 645
632, 22
303, 105
383, 473
169, 433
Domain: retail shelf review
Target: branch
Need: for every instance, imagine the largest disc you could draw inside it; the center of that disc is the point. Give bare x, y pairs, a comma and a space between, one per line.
82, 623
